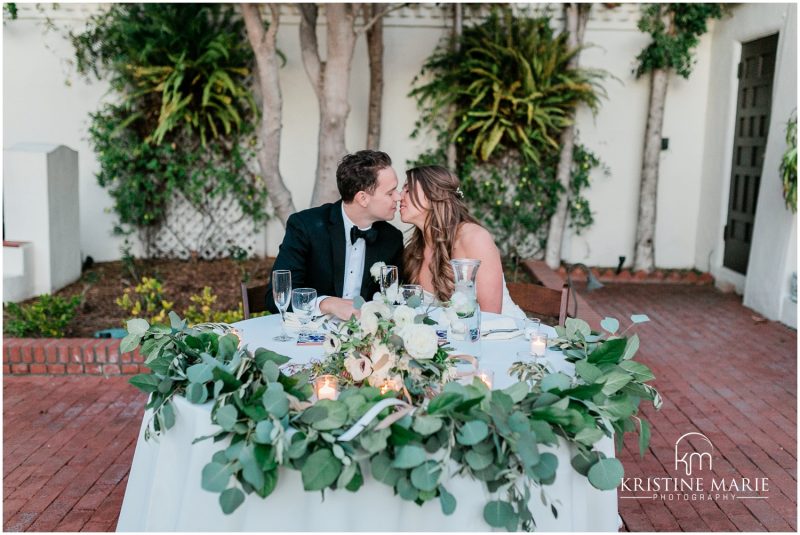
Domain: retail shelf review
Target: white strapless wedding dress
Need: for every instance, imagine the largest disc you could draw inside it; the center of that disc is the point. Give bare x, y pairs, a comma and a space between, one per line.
510, 308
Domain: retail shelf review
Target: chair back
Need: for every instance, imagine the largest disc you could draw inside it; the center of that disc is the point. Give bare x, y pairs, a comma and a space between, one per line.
541, 301
254, 299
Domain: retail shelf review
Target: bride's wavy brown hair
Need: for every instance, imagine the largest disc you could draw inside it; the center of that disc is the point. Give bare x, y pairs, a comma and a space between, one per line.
446, 212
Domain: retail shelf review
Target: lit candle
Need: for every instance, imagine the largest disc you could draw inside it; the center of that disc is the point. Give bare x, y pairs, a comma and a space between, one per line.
326, 387
487, 376
538, 344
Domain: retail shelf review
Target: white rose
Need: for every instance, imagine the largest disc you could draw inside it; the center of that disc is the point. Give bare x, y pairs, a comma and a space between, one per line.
375, 270
420, 341
358, 367
404, 315
368, 323
331, 344
377, 307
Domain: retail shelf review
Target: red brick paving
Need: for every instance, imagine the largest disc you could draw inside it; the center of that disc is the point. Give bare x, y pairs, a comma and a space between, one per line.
721, 374
68, 444
69, 440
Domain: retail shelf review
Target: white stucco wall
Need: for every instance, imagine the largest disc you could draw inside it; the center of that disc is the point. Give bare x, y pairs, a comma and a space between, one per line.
773, 253
694, 175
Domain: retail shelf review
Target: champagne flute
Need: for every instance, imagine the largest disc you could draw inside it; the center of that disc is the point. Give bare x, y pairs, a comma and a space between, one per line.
389, 282
303, 301
282, 293
407, 291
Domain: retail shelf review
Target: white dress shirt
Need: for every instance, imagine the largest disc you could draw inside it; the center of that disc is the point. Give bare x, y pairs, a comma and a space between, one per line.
354, 256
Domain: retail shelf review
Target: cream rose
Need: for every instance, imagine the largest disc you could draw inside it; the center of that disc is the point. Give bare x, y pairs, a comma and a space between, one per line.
377, 307
368, 322
404, 315
420, 341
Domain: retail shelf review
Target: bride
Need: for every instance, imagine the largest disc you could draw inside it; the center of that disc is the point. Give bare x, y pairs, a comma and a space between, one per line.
432, 202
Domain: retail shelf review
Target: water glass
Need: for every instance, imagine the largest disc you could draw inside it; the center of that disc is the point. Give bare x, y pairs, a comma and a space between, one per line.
389, 282
407, 291
303, 301
531, 327
282, 294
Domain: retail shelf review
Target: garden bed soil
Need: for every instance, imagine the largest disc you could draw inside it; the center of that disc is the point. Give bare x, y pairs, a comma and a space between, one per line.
104, 282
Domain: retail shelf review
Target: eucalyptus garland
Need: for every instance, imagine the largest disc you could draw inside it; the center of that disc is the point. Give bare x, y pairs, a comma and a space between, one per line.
268, 420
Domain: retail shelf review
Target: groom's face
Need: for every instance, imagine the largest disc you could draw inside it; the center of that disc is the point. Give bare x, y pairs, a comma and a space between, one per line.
382, 204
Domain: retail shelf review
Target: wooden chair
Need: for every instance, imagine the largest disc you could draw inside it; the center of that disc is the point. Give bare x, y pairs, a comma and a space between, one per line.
254, 299
541, 301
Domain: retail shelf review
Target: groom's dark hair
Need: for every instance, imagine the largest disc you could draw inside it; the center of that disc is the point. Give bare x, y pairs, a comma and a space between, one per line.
359, 172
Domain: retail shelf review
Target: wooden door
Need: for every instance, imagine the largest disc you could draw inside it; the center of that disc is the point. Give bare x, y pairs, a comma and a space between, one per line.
750, 141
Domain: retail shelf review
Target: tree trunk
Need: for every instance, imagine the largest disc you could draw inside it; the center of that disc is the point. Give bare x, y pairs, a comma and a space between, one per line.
330, 80
375, 51
575, 17
269, 128
458, 29
644, 255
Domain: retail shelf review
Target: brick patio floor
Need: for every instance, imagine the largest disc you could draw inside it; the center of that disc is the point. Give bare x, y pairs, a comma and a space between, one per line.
68, 441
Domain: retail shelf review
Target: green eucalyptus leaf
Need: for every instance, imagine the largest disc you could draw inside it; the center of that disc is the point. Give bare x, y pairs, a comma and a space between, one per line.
610, 351
582, 463
588, 372
227, 346
426, 476
610, 324
555, 381
545, 469
169, 415
358, 302
409, 456
444, 402
262, 355
426, 425
447, 501
606, 474
215, 477
336, 415
406, 490
382, 470
251, 471
230, 500
498, 513
477, 460
320, 470
263, 433
226, 417
631, 347
517, 391
374, 441
639, 318
199, 373
196, 393
175, 321
472, 432
644, 436
589, 435
270, 371
576, 325
275, 401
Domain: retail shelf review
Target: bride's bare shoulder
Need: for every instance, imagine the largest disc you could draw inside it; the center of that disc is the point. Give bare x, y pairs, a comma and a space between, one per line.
472, 236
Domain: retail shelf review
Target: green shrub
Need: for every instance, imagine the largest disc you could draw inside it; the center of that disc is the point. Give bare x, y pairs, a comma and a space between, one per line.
46, 317
788, 166
146, 300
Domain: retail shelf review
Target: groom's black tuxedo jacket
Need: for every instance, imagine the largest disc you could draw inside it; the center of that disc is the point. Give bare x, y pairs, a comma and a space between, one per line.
314, 248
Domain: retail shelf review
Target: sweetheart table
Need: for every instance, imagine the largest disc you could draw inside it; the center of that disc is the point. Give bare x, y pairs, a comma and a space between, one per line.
164, 491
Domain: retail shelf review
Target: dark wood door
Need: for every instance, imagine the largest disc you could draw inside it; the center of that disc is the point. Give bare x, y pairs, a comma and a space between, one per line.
750, 140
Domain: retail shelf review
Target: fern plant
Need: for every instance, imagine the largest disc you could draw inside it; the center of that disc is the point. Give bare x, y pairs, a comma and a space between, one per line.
507, 85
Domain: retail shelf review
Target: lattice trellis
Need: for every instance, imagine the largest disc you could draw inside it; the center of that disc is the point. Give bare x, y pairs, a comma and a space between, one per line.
209, 231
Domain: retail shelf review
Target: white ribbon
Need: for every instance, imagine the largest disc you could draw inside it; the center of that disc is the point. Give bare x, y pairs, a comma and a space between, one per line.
370, 415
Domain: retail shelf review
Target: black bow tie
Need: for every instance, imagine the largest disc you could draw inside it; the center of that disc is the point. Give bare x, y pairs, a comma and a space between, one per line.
369, 235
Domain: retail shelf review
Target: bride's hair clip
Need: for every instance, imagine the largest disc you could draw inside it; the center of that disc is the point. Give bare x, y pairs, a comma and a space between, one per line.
459, 193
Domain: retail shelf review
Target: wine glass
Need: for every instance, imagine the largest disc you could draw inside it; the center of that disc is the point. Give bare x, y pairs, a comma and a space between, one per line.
407, 291
282, 294
389, 282
303, 301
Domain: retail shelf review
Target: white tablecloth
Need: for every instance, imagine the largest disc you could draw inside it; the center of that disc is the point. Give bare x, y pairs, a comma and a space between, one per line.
164, 492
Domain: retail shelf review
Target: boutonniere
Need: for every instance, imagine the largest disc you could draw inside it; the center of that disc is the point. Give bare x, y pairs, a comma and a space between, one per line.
375, 271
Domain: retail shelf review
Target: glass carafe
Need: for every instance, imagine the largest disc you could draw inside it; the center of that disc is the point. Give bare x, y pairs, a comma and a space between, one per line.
465, 314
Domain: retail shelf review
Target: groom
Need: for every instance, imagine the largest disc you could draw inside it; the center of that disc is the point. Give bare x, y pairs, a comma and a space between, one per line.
331, 247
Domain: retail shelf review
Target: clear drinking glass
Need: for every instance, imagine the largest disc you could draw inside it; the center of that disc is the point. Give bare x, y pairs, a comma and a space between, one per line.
303, 301
407, 291
531, 327
389, 282
282, 293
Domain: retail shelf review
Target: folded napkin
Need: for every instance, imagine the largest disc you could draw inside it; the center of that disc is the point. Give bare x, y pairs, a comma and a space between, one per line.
502, 324
292, 322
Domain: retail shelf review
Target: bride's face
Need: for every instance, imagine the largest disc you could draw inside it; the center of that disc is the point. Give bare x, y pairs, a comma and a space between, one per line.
411, 213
